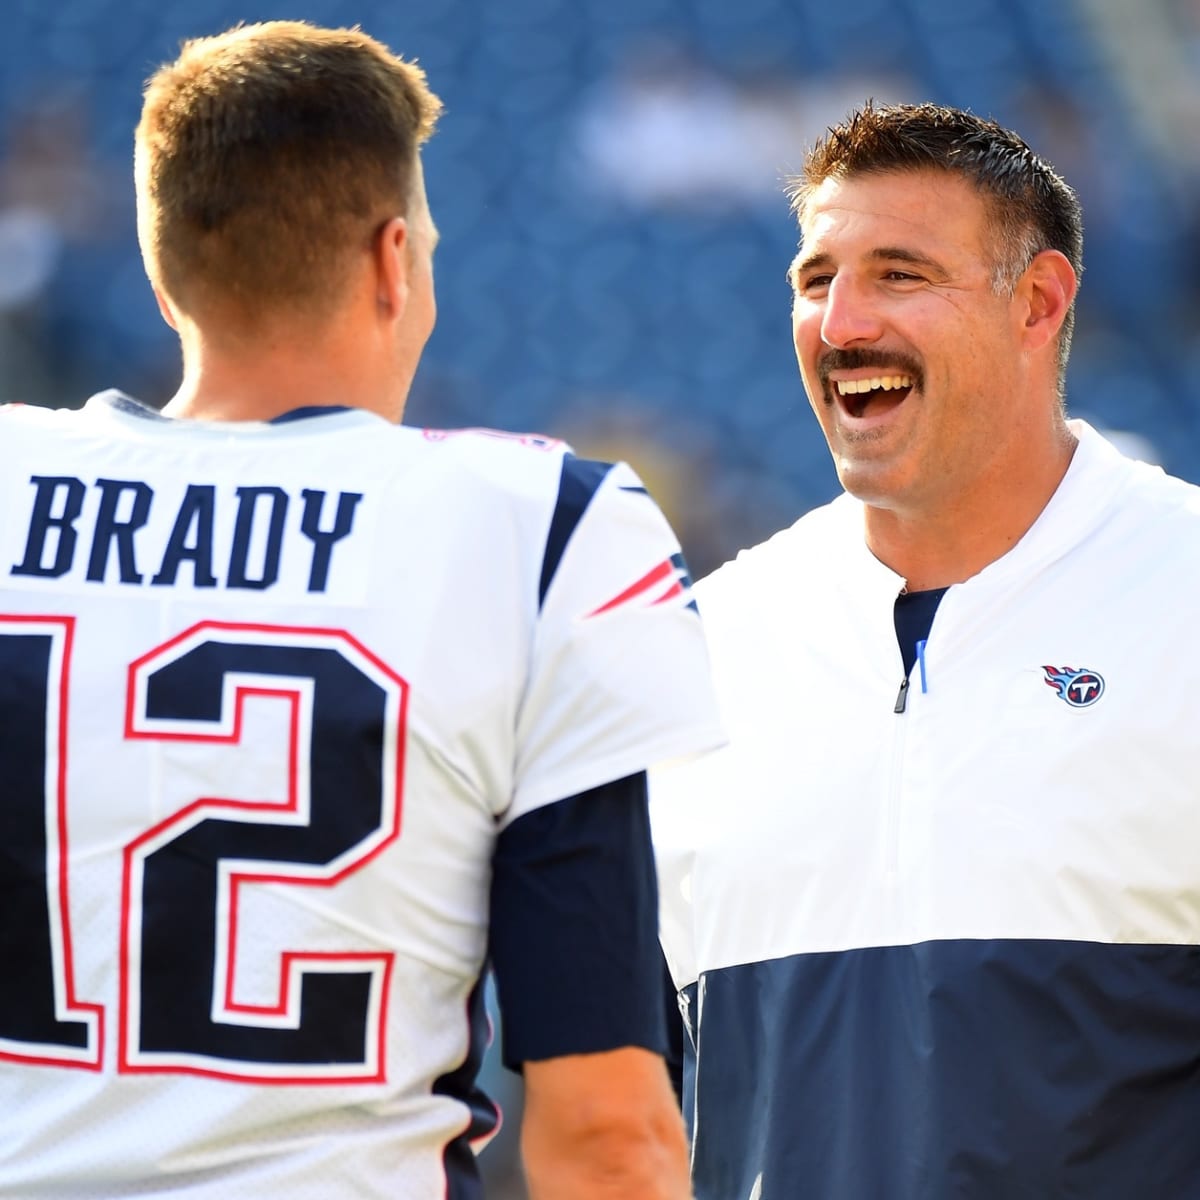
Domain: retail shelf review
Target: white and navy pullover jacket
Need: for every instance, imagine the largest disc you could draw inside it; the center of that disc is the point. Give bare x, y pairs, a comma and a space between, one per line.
953, 950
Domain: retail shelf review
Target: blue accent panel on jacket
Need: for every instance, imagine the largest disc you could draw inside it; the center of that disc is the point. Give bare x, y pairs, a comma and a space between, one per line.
989, 1069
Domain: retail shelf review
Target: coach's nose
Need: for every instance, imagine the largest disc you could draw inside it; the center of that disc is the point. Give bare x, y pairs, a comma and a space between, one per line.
850, 315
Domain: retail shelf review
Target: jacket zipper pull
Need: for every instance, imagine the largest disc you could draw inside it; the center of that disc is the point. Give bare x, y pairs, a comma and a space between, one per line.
902, 695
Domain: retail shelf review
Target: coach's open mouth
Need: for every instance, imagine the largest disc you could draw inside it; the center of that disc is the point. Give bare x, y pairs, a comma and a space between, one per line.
879, 393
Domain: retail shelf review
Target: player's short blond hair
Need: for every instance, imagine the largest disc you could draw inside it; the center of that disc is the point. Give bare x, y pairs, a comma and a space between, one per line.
266, 157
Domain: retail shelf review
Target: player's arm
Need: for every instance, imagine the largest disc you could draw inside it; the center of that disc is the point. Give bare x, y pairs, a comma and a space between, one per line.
603, 1125
574, 947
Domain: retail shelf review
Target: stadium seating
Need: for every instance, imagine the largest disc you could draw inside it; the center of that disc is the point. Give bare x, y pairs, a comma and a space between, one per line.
561, 286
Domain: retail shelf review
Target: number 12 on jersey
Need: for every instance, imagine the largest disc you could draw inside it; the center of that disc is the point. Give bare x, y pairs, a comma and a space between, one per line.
183, 878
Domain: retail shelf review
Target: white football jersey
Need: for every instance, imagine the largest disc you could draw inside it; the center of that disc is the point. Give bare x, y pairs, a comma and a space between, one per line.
268, 692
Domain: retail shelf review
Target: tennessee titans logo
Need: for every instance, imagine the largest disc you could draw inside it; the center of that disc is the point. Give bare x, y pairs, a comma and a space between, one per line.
1077, 688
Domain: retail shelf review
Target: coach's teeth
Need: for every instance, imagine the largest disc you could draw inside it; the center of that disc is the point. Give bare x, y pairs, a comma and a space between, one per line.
888, 383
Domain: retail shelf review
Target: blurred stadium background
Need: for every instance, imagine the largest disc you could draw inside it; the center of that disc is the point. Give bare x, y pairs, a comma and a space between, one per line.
607, 180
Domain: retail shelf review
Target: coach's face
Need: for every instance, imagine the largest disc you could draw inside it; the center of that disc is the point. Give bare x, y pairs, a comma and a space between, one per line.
910, 358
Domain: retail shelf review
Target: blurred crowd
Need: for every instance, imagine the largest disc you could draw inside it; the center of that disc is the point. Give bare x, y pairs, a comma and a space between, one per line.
608, 180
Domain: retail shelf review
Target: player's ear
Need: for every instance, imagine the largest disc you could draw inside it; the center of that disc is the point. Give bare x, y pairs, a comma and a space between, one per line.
164, 307
390, 255
1048, 287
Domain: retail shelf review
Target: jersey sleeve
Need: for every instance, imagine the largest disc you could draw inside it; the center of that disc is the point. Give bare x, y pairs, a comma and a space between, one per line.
573, 929
619, 678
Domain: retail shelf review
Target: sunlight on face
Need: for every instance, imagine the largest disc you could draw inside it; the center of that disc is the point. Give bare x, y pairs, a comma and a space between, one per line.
907, 353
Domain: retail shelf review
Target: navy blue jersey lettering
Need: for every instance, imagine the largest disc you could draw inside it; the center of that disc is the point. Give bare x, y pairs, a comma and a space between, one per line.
323, 540
182, 893
41, 1020
110, 530
45, 520
191, 539
248, 516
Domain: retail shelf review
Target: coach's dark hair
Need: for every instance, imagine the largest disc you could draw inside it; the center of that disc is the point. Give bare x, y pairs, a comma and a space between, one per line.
266, 156
1033, 207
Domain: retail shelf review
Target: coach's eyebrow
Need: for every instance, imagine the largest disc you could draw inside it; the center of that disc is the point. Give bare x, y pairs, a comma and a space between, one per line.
903, 254
822, 261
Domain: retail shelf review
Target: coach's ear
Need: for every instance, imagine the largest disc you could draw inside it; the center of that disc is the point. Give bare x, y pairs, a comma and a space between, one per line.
1048, 286
164, 307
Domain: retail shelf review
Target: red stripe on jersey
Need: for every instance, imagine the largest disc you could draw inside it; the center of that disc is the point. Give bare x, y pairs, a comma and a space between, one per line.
676, 589
635, 589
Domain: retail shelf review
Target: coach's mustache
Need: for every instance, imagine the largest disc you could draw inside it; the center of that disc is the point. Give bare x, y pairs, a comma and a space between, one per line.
857, 359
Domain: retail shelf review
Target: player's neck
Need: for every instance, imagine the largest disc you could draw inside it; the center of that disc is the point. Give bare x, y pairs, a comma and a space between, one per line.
261, 379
